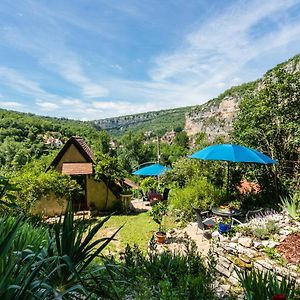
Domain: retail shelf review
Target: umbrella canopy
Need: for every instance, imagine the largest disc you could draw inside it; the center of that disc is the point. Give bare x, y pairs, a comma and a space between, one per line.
233, 153
153, 170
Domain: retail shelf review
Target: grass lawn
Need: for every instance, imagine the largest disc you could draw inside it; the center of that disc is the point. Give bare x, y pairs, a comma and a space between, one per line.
138, 229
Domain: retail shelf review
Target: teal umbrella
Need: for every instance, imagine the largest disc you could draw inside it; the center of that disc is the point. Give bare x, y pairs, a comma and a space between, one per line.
232, 153
152, 170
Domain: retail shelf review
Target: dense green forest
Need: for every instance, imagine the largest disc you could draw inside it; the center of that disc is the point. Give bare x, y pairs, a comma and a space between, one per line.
24, 136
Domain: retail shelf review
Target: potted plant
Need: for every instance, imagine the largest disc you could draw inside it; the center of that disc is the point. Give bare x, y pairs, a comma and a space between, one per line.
158, 212
225, 225
126, 195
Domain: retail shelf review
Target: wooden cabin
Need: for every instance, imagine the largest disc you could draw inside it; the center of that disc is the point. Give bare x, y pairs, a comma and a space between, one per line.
76, 159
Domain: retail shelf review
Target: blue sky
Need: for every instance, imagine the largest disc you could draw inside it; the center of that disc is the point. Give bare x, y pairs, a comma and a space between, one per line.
92, 59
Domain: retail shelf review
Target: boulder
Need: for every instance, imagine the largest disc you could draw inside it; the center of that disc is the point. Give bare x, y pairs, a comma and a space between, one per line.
245, 241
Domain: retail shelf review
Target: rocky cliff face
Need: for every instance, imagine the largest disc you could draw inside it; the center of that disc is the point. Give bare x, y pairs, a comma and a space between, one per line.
215, 118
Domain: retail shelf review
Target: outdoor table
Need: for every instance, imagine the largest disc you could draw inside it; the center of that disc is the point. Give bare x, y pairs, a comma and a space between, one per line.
221, 212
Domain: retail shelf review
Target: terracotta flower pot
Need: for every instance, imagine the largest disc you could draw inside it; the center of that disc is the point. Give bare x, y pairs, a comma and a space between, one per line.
160, 237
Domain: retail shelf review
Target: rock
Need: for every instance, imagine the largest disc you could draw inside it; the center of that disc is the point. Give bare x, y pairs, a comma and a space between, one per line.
245, 258
247, 251
224, 262
285, 231
257, 245
258, 266
233, 245
238, 234
265, 263
245, 241
215, 235
233, 280
272, 244
223, 238
222, 270
234, 239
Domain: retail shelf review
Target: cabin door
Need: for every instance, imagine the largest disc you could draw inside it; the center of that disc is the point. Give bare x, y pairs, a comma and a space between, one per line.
80, 201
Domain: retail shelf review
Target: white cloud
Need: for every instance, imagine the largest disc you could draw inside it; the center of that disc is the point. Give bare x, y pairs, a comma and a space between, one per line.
55, 56
117, 108
236, 80
46, 106
211, 57
220, 84
11, 104
71, 102
17, 81
219, 49
91, 90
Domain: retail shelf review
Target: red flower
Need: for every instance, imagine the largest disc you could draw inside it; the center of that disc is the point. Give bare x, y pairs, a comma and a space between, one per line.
279, 297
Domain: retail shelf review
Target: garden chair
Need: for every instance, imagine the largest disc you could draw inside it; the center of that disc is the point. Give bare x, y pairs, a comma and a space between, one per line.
251, 214
203, 221
165, 194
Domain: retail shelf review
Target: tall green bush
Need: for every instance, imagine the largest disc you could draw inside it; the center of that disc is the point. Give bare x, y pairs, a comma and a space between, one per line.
199, 193
167, 275
32, 185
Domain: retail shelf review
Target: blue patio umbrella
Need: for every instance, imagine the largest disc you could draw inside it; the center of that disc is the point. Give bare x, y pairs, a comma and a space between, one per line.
152, 170
232, 153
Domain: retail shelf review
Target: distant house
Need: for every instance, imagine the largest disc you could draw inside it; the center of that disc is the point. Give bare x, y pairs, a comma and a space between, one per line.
76, 159
53, 142
169, 137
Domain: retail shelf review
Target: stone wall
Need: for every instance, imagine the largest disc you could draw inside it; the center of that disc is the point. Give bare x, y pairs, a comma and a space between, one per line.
240, 252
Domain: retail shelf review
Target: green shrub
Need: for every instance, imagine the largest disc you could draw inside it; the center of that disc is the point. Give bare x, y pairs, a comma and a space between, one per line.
260, 285
292, 205
167, 275
260, 231
273, 254
26, 236
149, 183
33, 185
157, 213
199, 193
60, 269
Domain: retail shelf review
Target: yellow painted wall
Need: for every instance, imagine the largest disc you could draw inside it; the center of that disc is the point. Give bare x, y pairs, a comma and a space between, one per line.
96, 193
49, 206
71, 155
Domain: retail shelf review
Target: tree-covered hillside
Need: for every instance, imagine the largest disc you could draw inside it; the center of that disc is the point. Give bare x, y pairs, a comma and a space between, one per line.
26, 136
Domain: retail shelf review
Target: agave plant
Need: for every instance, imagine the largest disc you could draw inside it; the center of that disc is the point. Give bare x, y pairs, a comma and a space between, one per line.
42, 263
72, 251
18, 273
265, 285
292, 205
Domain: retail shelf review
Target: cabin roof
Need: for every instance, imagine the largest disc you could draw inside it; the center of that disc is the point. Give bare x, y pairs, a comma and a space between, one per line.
81, 146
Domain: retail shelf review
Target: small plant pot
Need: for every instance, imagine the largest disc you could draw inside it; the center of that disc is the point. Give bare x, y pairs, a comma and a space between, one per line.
125, 201
224, 227
160, 237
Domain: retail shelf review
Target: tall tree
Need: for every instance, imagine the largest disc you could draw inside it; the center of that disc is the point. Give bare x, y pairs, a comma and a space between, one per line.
269, 121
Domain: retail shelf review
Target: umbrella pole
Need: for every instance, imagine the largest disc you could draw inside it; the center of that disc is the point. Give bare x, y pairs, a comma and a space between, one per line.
227, 192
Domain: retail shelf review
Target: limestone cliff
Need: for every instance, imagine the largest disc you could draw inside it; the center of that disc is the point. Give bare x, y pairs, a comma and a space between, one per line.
215, 118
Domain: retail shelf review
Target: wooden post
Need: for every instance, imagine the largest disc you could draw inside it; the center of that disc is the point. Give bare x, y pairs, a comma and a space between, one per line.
158, 149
